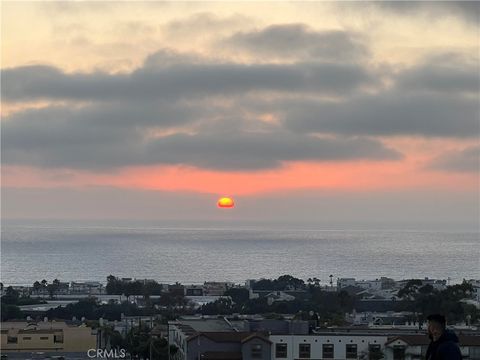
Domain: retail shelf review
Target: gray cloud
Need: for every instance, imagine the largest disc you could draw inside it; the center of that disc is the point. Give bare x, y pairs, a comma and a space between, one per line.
202, 23
222, 103
438, 76
66, 139
240, 151
182, 80
468, 11
391, 113
299, 41
466, 160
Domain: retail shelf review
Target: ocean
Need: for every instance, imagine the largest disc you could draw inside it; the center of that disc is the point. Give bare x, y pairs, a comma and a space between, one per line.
198, 254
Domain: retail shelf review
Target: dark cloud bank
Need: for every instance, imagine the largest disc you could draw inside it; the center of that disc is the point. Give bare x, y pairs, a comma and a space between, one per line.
312, 95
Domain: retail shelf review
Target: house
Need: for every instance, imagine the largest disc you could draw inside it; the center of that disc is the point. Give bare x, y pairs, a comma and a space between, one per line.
278, 296
220, 345
344, 282
476, 289
176, 290
193, 290
214, 288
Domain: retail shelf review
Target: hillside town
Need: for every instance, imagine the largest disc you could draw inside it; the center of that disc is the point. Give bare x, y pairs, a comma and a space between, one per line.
283, 318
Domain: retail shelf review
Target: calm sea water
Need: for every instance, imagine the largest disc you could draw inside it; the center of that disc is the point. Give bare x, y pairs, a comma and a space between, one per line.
193, 255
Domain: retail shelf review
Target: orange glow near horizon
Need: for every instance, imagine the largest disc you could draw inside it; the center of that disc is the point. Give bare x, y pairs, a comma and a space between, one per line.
348, 176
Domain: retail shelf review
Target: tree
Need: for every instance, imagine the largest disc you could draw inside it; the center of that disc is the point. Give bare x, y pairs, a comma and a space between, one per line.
238, 295
286, 281
222, 306
36, 287
11, 296
114, 286
10, 312
53, 288
410, 288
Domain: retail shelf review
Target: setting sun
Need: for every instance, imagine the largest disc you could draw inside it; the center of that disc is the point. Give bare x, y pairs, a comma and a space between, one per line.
225, 202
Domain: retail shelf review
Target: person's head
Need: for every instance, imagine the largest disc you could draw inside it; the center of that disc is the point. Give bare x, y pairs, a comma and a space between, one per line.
436, 325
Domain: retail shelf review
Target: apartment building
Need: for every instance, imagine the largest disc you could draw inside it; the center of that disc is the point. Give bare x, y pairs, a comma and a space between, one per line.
50, 337
293, 340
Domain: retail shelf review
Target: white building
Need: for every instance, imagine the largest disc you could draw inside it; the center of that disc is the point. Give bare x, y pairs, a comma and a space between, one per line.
409, 347
362, 344
87, 287
327, 346
278, 296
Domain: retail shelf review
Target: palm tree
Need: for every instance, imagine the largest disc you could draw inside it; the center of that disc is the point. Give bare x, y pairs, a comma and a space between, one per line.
53, 287
44, 286
36, 287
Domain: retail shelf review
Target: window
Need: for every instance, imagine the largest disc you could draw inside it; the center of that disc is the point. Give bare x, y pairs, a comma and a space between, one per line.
351, 351
58, 338
398, 352
327, 351
43, 337
27, 338
374, 352
256, 351
12, 340
304, 351
281, 350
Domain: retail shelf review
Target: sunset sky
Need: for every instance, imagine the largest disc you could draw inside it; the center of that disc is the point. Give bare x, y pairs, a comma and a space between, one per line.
315, 112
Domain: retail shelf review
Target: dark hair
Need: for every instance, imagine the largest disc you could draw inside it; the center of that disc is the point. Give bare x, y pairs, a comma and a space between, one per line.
438, 318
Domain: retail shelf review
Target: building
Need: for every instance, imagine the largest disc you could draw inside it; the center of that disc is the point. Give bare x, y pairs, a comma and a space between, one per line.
294, 339
53, 338
392, 319
194, 290
214, 288
476, 289
224, 345
87, 287
409, 347
278, 296
388, 344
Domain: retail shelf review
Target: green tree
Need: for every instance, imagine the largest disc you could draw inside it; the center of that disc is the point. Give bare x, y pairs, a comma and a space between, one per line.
238, 295
37, 286
11, 296
53, 288
410, 288
10, 312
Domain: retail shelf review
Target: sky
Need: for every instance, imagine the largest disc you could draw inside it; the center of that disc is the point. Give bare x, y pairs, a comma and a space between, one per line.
303, 112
